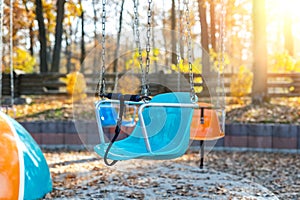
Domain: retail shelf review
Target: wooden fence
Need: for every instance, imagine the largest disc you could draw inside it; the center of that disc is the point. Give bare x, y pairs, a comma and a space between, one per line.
279, 85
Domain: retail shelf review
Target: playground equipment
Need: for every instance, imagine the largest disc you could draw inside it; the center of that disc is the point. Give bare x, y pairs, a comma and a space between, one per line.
209, 129
162, 130
160, 133
24, 173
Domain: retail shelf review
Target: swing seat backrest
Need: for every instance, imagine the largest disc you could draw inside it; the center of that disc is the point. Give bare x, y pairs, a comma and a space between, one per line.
167, 126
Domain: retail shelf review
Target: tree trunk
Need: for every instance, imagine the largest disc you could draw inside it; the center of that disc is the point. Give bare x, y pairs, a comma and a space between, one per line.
68, 51
164, 35
153, 41
95, 23
173, 34
82, 46
42, 36
95, 20
31, 34
213, 25
116, 59
181, 43
259, 87
288, 36
60, 5
204, 37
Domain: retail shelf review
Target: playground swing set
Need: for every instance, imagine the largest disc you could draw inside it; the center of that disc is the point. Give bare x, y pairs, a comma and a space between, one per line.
166, 122
23, 167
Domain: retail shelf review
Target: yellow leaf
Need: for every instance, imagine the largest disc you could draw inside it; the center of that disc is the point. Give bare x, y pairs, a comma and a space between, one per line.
23, 60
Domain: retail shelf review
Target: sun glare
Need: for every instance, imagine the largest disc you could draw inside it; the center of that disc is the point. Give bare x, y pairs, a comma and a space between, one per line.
287, 7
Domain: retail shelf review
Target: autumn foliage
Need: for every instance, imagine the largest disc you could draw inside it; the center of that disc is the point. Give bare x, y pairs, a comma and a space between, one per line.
76, 85
241, 82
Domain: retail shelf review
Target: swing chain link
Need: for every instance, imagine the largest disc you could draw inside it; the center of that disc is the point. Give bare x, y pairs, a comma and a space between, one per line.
138, 42
146, 90
101, 84
189, 45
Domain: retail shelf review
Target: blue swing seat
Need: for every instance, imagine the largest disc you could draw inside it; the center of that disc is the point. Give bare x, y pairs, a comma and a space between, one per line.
168, 130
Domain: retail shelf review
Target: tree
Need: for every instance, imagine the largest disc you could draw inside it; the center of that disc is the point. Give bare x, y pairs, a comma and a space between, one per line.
116, 56
173, 26
95, 20
82, 45
60, 5
42, 36
164, 21
31, 32
212, 25
259, 87
204, 35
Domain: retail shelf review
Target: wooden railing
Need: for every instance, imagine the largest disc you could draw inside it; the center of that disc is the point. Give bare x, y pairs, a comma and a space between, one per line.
279, 84
34, 84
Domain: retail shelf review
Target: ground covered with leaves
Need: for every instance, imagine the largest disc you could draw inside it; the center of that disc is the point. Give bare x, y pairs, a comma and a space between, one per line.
227, 175
44, 108
277, 110
264, 113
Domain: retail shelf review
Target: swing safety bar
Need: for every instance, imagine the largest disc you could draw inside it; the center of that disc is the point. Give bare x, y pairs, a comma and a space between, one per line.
143, 105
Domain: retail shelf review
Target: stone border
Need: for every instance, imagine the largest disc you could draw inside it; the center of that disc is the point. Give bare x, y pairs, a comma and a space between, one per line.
251, 136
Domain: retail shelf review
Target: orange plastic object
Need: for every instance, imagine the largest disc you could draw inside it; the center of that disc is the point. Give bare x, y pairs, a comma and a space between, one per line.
210, 130
9, 163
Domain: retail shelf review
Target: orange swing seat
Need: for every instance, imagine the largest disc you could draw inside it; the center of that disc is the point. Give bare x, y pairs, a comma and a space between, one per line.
210, 130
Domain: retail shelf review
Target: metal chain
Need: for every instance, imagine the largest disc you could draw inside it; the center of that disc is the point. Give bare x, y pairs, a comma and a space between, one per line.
138, 42
189, 45
146, 90
101, 83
